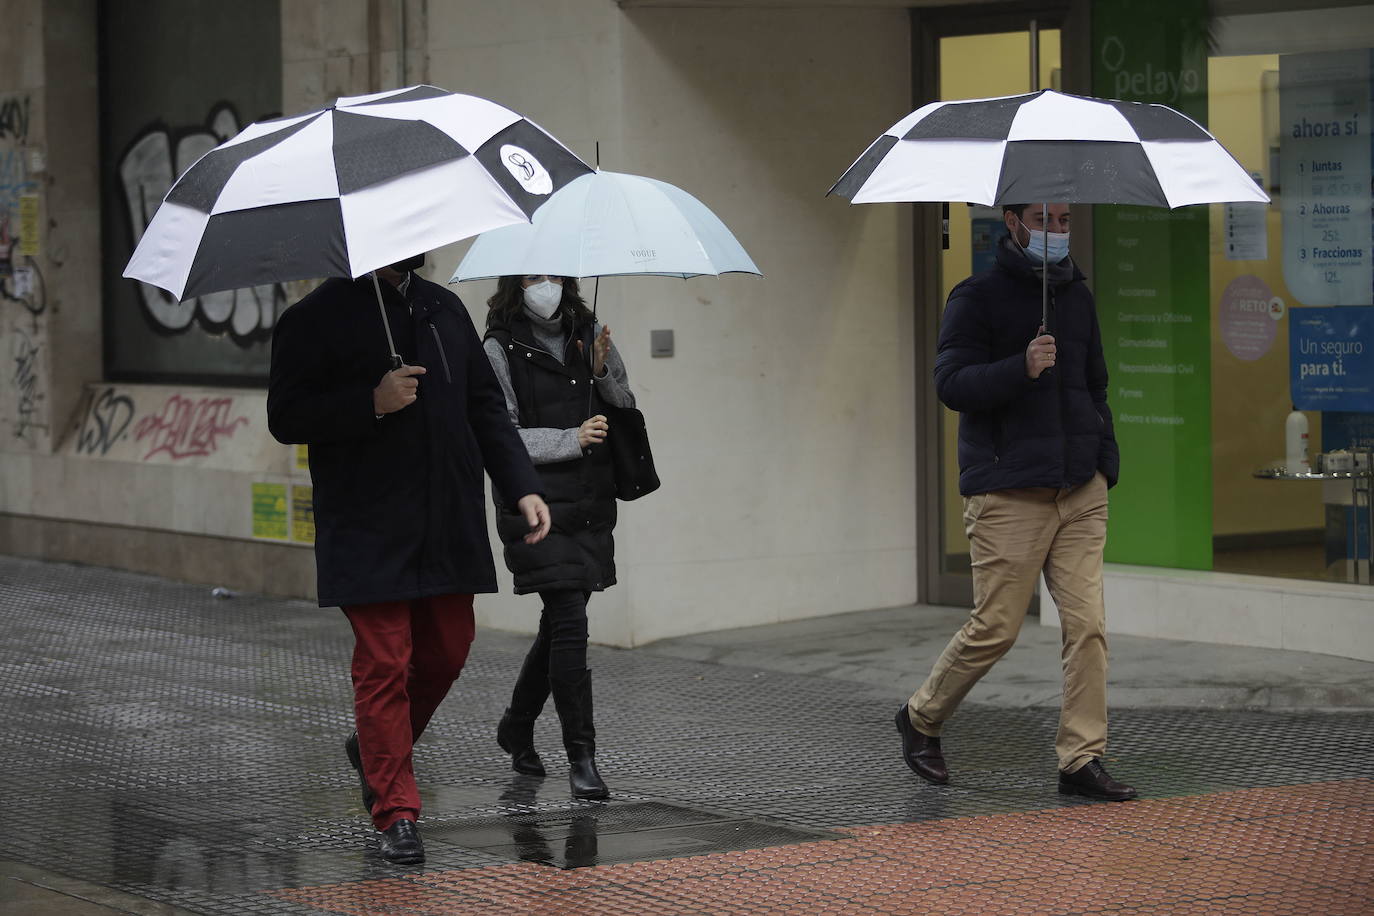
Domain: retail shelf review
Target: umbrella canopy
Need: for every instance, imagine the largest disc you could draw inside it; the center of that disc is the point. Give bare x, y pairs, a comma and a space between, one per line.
611, 224
1048, 146
365, 182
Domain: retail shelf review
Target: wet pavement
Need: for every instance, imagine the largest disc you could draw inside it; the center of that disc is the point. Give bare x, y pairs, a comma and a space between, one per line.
169, 752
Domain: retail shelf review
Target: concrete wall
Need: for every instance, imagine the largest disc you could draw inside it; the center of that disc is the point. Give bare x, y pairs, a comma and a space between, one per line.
50, 257
783, 426
49, 280
794, 487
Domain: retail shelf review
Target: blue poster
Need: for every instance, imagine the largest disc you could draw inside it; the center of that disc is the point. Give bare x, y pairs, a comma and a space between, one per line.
1331, 357
1347, 430
986, 233
1325, 168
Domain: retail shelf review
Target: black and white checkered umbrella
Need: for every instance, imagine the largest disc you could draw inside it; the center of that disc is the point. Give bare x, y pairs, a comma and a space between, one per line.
366, 182
1048, 147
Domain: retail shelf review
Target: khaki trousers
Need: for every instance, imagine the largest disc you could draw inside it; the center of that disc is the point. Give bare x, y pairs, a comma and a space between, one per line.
1013, 536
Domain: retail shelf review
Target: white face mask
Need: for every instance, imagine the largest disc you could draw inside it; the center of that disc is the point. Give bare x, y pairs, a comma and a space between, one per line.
543, 298
1058, 243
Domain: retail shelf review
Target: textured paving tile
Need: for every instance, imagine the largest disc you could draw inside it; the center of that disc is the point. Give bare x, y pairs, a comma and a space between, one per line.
187, 751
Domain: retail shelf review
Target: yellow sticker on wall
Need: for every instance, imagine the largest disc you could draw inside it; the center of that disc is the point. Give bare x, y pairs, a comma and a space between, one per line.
302, 457
28, 225
302, 514
269, 511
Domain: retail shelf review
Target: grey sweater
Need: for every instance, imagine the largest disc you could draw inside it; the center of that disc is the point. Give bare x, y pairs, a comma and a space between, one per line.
547, 445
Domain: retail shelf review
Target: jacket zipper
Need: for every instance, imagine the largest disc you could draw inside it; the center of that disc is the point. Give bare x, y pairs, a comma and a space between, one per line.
536, 349
590, 387
443, 357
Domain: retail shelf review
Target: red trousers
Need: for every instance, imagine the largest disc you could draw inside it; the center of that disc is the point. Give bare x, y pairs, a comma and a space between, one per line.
406, 656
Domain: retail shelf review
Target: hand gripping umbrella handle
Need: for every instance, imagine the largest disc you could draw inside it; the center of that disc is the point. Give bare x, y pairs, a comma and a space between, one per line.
386, 323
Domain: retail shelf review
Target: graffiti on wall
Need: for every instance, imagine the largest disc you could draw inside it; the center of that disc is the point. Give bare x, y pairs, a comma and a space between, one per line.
148, 425
21, 280
147, 171
15, 113
105, 422
23, 301
188, 427
27, 383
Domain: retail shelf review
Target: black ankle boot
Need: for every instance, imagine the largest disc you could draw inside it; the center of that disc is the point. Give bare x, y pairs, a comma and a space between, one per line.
515, 735
573, 699
583, 777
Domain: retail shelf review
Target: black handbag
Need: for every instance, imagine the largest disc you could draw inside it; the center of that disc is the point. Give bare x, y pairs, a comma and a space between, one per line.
631, 457
632, 461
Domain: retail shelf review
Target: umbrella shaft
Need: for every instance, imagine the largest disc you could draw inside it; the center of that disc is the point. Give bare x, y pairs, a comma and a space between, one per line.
396, 362
1045, 266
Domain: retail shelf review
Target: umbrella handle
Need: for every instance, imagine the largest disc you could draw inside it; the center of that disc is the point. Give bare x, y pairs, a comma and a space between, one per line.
596, 290
396, 361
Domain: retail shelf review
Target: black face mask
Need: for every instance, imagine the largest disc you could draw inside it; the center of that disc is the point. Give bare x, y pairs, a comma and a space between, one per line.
408, 264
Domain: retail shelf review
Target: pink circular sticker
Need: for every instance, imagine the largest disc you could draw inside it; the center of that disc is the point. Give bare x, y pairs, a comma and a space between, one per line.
1247, 327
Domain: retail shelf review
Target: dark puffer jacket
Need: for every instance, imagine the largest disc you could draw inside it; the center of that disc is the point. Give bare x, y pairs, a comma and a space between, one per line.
1054, 431
579, 552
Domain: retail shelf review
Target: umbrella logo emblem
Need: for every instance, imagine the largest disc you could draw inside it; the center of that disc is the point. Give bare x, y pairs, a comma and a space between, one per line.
526, 169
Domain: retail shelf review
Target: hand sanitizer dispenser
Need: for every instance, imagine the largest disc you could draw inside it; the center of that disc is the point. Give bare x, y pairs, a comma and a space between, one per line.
1295, 435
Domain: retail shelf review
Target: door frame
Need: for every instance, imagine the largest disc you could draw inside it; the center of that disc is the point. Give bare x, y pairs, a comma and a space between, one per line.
928, 25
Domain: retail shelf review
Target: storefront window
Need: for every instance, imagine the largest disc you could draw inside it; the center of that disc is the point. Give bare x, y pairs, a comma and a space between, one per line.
1217, 321
170, 93
1292, 321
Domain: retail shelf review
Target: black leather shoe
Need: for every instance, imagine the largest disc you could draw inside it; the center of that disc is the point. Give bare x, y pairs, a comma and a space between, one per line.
921, 752
1092, 781
355, 759
401, 843
517, 739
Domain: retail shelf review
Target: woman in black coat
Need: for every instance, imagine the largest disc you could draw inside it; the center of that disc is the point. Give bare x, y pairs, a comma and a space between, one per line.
557, 367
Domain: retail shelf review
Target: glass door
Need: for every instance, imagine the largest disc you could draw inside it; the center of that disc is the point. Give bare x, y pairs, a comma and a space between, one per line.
968, 66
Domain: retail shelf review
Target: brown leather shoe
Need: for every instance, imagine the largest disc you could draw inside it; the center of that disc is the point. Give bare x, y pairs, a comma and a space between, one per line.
921, 752
1091, 780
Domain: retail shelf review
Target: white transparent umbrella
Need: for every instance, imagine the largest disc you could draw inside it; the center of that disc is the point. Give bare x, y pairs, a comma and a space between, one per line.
611, 224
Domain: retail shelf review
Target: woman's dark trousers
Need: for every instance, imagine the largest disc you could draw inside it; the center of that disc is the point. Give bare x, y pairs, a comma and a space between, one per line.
556, 664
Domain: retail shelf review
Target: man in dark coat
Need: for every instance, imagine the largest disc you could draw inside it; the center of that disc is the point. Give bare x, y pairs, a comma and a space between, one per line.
1036, 457
396, 460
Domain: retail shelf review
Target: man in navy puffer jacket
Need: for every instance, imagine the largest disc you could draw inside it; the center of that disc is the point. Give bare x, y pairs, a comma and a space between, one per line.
1036, 457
